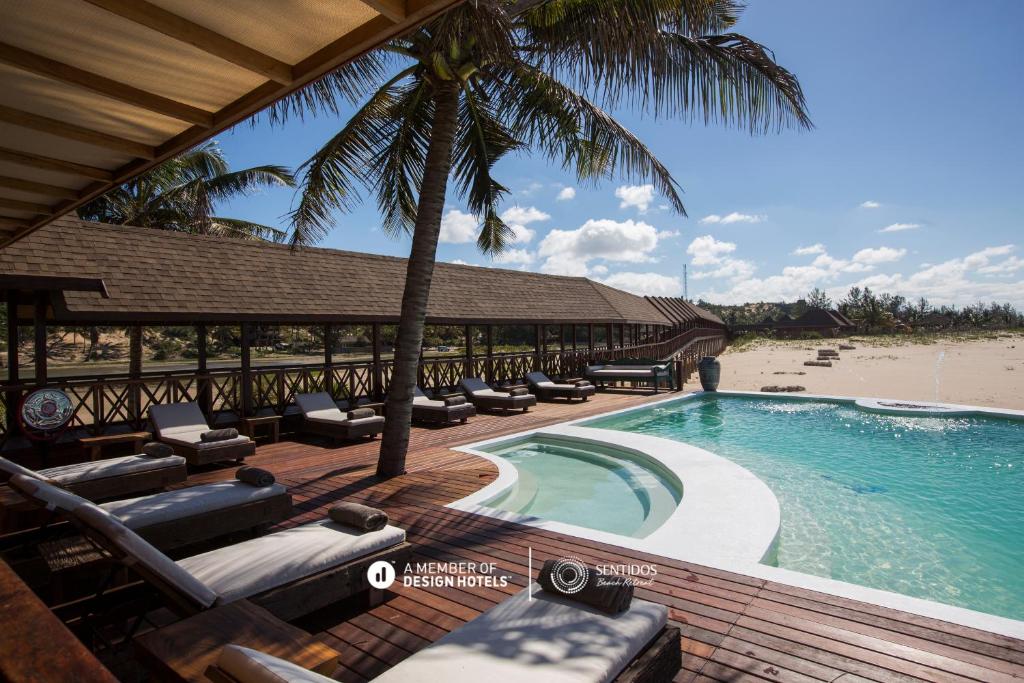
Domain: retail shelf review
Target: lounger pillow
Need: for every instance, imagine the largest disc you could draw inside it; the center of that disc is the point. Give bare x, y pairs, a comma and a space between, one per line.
519, 391
582, 383
362, 517
455, 401
254, 476
155, 449
609, 594
219, 435
361, 413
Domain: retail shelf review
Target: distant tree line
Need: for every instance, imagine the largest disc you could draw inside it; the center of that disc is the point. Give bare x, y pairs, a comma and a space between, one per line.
874, 312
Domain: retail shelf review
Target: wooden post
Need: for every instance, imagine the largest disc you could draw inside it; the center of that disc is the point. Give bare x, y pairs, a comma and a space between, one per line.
378, 389
13, 396
609, 336
561, 339
246, 374
537, 344
590, 340
205, 387
468, 332
574, 340
329, 359
489, 366
39, 324
622, 335
135, 374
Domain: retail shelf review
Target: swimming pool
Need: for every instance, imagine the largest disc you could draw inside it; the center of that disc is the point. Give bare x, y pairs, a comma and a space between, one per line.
931, 507
559, 480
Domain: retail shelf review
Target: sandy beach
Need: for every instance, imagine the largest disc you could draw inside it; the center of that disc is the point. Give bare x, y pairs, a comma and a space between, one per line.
984, 371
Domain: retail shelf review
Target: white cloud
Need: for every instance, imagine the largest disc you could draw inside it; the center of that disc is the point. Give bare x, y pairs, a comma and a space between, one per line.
869, 204
531, 189
599, 269
733, 217
873, 257
706, 250
637, 196
731, 268
668, 234
514, 256
566, 194
459, 262
1007, 267
568, 252
809, 251
458, 227
900, 227
981, 258
518, 218
650, 284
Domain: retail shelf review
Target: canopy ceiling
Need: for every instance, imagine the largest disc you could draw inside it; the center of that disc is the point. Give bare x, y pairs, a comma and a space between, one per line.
93, 92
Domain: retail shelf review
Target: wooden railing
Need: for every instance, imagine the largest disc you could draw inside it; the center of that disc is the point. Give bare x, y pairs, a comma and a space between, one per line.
102, 402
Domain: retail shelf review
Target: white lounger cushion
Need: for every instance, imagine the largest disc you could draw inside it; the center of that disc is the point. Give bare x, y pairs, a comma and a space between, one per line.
195, 440
43, 493
546, 640
252, 666
620, 372
171, 419
251, 567
137, 513
114, 467
152, 560
320, 407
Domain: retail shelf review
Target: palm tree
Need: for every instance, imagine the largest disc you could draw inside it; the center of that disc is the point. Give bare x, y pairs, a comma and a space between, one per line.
182, 193
488, 78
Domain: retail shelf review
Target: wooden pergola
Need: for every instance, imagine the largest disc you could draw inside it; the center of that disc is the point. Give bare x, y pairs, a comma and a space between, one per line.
94, 92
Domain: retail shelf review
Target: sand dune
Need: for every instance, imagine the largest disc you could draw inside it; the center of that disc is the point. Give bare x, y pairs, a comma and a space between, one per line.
984, 371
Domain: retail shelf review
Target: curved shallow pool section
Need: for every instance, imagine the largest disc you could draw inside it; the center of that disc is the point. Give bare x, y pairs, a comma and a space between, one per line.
632, 490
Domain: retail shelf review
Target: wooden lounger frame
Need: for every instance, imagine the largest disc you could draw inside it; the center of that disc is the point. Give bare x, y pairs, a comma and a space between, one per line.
341, 431
503, 403
442, 416
658, 662
17, 514
204, 456
204, 526
286, 602
568, 393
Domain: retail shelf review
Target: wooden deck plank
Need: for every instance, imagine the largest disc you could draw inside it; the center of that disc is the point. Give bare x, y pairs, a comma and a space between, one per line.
735, 627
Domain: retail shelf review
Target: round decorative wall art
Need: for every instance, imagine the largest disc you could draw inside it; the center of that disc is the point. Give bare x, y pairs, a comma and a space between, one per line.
45, 413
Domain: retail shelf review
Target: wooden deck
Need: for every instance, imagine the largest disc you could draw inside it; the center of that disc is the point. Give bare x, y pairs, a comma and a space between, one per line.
735, 628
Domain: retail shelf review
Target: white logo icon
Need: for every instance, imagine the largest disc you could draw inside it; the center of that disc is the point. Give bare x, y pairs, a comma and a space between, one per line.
569, 575
381, 574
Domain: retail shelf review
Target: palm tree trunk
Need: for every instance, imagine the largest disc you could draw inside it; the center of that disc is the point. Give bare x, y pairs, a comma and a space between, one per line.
418, 274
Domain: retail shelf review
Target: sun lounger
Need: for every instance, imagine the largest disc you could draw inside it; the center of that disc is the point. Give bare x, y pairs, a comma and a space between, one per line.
548, 639
547, 390
322, 417
439, 412
485, 398
104, 479
178, 518
182, 425
642, 370
290, 573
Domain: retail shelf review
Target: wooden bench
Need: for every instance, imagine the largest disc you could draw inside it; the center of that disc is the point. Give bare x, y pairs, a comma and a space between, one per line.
248, 426
95, 444
183, 651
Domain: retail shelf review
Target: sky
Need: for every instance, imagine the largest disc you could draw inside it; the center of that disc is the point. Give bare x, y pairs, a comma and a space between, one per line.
911, 181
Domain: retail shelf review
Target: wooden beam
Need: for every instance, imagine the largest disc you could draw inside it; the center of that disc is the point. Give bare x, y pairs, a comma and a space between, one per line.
18, 205
39, 325
13, 366
246, 368
7, 223
378, 377
51, 164
37, 188
72, 75
211, 42
395, 10
70, 131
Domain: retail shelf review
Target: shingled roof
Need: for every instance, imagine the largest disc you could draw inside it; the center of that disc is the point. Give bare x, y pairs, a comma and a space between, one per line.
160, 276
679, 310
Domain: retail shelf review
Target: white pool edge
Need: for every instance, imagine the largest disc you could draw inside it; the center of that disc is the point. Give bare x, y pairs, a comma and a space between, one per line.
927, 608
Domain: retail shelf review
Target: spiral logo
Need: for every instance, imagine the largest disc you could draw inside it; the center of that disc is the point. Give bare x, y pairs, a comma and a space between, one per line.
569, 575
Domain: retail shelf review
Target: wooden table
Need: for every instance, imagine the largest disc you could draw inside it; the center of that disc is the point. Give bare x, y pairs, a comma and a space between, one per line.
249, 425
95, 444
182, 651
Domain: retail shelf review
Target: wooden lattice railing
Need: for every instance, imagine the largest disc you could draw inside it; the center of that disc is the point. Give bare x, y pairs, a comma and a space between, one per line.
102, 402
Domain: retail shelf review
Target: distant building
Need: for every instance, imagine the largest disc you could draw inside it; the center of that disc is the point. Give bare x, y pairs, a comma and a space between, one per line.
826, 322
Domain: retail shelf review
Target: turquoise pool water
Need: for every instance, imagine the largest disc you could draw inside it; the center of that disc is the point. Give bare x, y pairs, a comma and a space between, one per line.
931, 507
560, 480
